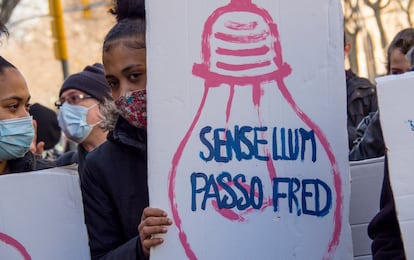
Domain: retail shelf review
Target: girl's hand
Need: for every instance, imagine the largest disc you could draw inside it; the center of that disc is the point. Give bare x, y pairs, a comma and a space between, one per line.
36, 148
153, 221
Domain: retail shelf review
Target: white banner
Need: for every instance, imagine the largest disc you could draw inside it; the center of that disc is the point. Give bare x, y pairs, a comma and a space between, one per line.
395, 95
41, 216
247, 128
366, 183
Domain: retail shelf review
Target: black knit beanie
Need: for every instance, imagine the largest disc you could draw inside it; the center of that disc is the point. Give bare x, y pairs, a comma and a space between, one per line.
91, 81
48, 129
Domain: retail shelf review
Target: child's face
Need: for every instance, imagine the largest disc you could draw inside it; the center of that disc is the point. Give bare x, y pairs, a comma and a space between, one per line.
125, 69
398, 62
14, 95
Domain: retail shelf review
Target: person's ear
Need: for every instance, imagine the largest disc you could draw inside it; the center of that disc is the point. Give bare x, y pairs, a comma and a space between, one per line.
347, 48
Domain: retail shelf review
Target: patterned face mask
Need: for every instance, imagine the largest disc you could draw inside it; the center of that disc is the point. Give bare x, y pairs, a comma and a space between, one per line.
133, 107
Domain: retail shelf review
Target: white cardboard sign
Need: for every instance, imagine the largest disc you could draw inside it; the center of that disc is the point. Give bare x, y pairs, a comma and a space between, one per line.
247, 128
41, 216
395, 95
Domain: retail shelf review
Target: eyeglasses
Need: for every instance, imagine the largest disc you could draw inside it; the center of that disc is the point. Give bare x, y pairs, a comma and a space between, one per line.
71, 99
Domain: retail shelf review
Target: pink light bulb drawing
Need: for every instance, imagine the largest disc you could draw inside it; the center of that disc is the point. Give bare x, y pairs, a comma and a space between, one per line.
240, 51
15, 244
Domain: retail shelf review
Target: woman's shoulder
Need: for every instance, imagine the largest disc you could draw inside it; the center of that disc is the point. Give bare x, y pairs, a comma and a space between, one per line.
101, 152
105, 156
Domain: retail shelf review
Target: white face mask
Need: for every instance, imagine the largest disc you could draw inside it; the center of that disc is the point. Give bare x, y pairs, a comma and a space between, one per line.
73, 121
16, 136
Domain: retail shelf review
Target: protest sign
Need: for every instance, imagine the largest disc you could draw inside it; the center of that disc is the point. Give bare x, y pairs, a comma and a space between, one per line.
395, 93
366, 183
247, 129
41, 216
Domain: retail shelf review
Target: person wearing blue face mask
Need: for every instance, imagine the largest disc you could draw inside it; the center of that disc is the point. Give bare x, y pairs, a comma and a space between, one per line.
16, 125
79, 116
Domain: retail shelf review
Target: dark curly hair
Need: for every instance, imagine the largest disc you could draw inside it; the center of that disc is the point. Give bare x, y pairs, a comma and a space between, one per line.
130, 16
128, 9
5, 64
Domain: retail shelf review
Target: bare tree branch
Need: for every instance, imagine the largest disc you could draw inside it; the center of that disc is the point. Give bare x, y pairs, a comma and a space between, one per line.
6, 9
352, 29
406, 10
377, 7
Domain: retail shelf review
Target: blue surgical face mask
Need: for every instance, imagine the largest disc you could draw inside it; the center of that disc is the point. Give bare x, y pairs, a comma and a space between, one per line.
72, 120
16, 136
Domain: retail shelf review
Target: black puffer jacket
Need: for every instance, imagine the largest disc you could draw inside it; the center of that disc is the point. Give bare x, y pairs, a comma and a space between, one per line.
361, 100
115, 193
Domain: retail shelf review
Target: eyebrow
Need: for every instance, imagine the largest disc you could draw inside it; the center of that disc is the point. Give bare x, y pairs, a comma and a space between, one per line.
135, 44
126, 69
15, 98
132, 66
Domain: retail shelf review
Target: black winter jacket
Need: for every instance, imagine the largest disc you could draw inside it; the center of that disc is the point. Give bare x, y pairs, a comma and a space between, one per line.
361, 100
29, 162
384, 229
115, 193
72, 157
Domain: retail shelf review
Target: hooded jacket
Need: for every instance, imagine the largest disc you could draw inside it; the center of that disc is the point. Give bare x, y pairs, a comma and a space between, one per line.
115, 193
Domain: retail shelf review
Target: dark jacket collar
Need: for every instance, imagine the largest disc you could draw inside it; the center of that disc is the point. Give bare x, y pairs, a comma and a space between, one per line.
29, 162
24, 164
129, 135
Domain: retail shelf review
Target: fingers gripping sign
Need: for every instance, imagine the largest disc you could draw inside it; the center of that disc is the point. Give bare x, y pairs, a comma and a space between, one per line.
154, 221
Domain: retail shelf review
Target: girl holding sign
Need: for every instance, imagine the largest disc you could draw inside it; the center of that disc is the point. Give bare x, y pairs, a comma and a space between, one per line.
384, 228
114, 179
